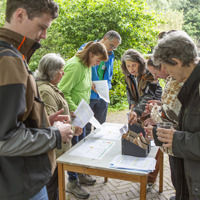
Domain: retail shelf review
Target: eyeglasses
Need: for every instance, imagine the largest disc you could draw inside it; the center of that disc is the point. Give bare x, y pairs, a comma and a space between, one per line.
113, 47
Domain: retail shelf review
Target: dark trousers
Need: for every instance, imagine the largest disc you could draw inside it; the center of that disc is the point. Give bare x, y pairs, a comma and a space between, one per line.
178, 178
99, 107
73, 175
52, 186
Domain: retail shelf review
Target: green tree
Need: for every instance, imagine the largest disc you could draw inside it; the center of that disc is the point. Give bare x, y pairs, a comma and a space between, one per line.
85, 20
2, 12
189, 9
169, 13
158, 4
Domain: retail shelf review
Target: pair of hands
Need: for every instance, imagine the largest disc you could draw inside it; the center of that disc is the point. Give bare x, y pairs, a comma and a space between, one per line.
133, 115
149, 106
164, 135
78, 130
64, 126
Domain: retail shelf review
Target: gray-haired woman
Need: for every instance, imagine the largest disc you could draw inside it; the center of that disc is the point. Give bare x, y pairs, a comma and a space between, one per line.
49, 74
177, 53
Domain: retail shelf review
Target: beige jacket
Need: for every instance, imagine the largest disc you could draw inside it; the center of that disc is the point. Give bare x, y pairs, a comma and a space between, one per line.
54, 100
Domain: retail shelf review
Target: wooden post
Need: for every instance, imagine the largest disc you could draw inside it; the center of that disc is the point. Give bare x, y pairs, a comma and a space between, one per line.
143, 187
61, 182
161, 172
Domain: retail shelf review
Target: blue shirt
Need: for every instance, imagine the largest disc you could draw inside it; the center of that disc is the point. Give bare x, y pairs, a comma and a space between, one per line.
107, 75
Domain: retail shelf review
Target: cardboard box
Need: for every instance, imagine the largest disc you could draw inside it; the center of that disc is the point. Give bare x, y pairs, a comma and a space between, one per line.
129, 148
137, 128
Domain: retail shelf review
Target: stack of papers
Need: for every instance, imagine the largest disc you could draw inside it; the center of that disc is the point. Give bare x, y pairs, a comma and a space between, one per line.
94, 149
133, 163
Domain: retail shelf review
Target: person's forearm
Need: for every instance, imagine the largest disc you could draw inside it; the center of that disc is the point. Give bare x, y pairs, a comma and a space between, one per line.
30, 142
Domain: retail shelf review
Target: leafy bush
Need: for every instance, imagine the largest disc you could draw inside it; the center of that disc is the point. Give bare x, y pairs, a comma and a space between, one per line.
162, 83
118, 97
85, 20
2, 12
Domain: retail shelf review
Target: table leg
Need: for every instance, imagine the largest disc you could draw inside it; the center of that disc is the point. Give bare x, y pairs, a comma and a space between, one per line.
105, 179
61, 182
143, 187
161, 172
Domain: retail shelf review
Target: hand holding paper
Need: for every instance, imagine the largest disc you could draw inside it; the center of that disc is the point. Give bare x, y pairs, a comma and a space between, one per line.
84, 114
102, 89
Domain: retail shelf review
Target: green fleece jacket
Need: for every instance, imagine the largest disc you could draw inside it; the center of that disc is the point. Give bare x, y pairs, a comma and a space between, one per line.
76, 83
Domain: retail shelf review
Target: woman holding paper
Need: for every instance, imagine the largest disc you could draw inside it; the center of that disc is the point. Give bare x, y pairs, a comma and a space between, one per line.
49, 74
76, 85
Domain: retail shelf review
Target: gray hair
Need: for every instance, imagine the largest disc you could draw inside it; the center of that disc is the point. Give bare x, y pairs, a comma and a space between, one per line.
177, 44
134, 56
113, 34
48, 66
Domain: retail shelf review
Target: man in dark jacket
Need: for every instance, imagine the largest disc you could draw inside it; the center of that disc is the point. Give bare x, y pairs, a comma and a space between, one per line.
27, 158
177, 52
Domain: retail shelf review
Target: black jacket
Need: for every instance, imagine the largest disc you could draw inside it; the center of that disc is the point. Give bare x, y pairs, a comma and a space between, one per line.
186, 142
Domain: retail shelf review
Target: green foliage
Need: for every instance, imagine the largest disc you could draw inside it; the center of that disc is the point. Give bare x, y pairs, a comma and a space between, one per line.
85, 20
188, 9
158, 4
173, 20
191, 11
170, 17
2, 12
118, 97
162, 83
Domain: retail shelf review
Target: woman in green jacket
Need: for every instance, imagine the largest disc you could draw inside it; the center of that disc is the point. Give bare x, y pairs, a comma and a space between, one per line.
76, 85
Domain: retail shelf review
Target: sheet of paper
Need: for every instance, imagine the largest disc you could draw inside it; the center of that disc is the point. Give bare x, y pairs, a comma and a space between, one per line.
83, 114
102, 89
109, 132
94, 149
153, 143
95, 123
133, 163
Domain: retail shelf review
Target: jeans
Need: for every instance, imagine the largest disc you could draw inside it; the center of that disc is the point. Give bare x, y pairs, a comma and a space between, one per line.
73, 175
99, 107
41, 195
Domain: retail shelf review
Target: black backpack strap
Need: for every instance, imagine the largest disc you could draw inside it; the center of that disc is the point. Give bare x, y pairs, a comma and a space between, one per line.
9, 46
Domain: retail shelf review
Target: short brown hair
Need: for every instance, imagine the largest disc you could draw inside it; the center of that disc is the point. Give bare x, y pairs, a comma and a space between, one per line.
95, 48
34, 8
